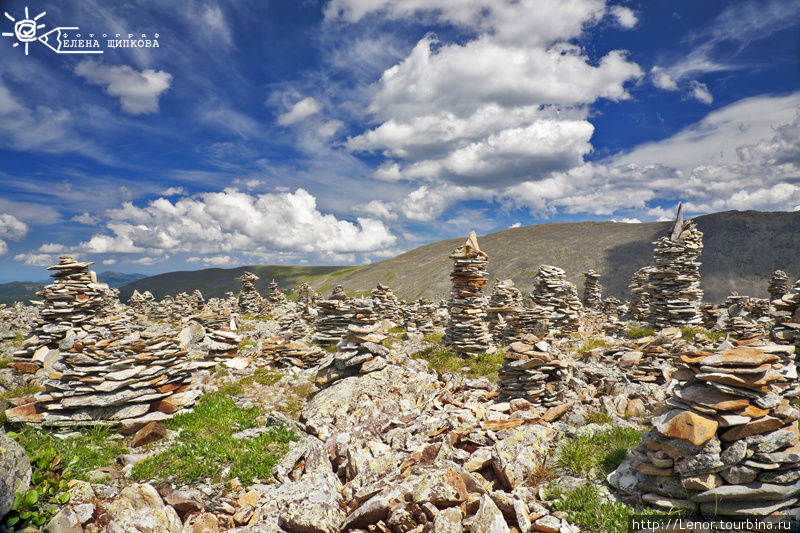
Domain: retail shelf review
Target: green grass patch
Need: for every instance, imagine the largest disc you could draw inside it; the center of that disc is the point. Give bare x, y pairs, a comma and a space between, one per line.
397, 329
331, 349
589, 455
587, 509
638, 333
18, 392
688, 333
599, 417
54, 463
205, 447
5, 362
591, 344
443, 360
433, 338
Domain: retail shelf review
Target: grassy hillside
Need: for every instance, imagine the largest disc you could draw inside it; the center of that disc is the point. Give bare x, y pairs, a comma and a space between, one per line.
742, 249
18, 291
217, 281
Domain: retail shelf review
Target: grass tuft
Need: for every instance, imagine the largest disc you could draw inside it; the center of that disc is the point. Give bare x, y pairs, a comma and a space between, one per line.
688, 333
638, 333
601, 453
443, 360
591, 344
206, 448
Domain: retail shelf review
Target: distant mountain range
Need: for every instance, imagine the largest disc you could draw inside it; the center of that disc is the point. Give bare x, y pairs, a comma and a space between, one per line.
22, 291
741, 250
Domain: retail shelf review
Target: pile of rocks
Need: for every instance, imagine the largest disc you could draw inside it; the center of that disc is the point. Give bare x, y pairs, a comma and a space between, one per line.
282, 353
613, 306
221, 344
558, 298
333, 316
295, 324
531, 372
526, 321
786, 313
197, 300
730, 432
747, 318
129, 381
710, 314
422, 316
274, 294
466, 331
651, 359
592, 291
386, 304
674, 290
778, 285
70, 307
249, 300
306, 295
505, 301
360, 351
141, 303
639, 303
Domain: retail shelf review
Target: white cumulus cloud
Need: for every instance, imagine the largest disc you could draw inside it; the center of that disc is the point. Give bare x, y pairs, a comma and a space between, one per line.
300, 111
138, 92
11, 228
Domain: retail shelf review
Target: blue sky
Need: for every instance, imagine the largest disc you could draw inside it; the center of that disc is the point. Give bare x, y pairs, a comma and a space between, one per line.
347, 131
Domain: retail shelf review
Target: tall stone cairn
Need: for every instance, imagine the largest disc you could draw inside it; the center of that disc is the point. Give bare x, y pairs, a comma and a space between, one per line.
274, 293
334, 315
726, 443
786, 313
675, 294
639, 305
385, 301
592, 291
557, 298
249, 300
71, 306
778, 285
505, 301
197, 300
466, 331
306, 295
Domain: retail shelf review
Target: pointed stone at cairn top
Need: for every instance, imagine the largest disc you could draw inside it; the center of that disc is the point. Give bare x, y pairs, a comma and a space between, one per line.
472, 241
677, 226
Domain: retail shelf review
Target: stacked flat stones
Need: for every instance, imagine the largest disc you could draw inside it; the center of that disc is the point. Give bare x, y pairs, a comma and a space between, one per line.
360, 351
675, 294
531, 372
639, 304
112, 381
421, 317
505, 301
306, 295
249, 300
334, 315
778, 285
466, 331
386, 304
274, 294
294, 324
557, 298
526, 321
592, 291
711, 315
745, 317
786, 313
284, 353
729, 432
648, 360
72, 305
612, 306
197, 300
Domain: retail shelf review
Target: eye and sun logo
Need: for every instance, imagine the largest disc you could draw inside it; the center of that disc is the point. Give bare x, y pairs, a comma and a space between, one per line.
25, 30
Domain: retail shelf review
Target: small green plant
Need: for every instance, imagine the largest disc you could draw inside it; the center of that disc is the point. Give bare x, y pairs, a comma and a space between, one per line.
262, 376
688, 333
55, 462
231, 389
206, 448
601, 453
434, 338
18, 392
443, 360
5, 362
638, 333
591, 344
599, 417
397, 329
586, 508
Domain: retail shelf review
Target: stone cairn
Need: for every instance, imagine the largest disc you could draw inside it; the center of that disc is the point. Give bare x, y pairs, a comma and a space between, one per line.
639, 305
360, 351
306, 295
70, 307
197, 300
612, 306
421, 316
778, 285
249, 300
786, 313
505, 301
729, 432
467, 331
115, 381
334, 314
386, 303
746, 317
557, 298
282, 353
526, 321
711, 315
592, 291
531, 372
274, 294
675, 294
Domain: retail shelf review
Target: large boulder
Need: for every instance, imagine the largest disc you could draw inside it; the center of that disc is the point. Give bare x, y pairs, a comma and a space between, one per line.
140, 508
15, 471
